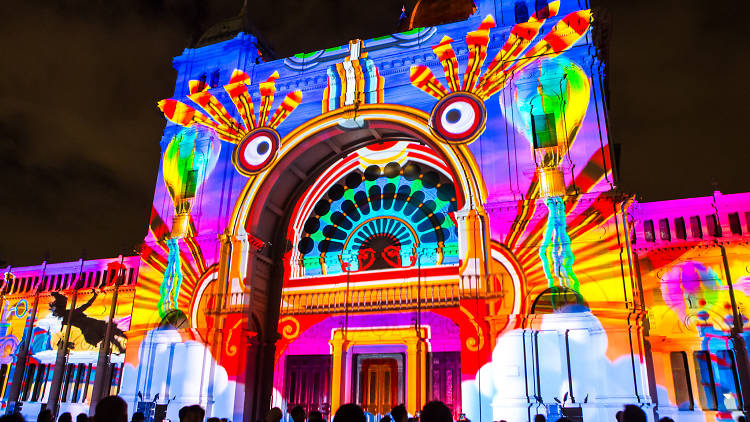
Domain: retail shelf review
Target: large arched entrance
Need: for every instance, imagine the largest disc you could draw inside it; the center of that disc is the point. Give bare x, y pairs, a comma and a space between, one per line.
256, 244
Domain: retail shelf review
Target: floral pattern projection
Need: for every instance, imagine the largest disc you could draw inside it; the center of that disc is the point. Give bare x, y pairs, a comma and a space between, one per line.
447, 249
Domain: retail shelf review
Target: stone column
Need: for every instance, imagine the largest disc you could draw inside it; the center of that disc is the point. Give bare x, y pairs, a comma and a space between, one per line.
416, 379
339, 348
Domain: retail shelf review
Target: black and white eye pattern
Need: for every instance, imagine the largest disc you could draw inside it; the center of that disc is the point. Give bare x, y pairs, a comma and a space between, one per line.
256, 151
458, 118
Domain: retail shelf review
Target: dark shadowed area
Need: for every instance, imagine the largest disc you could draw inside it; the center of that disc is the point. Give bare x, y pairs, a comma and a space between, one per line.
79, 127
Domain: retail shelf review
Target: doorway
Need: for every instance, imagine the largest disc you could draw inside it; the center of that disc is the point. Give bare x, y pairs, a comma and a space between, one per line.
380, 385
307, 383
379, 382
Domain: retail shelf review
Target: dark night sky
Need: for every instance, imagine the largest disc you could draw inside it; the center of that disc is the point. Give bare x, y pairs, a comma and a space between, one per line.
79, 81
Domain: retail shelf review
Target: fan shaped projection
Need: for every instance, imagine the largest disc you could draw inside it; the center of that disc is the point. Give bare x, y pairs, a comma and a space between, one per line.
381, 218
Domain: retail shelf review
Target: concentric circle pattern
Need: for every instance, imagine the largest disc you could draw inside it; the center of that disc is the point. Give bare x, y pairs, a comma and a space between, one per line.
379, 218
458, 118
256, 151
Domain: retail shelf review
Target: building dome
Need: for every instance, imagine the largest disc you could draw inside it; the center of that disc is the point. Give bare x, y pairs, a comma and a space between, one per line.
222, 31
229, 28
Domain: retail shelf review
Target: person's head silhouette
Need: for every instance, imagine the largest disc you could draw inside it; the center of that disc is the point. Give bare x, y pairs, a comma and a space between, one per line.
350, 413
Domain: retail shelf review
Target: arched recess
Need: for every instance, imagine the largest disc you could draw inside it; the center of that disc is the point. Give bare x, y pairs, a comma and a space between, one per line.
255, 243
308, 148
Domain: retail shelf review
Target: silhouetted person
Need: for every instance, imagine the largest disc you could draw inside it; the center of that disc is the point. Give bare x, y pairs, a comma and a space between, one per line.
315, 416
298, 414
436, 411
349, 413
386, 418
82, 417
193, 413
65, 417
45, 415
274, 415
540, 418
618, 416
399, 413
15, 417
137, 417
668, 419
214, 419
93, 329
633, 413
111, 409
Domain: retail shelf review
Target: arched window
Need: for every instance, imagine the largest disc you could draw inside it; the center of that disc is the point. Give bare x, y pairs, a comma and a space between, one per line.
215, 79
522, 12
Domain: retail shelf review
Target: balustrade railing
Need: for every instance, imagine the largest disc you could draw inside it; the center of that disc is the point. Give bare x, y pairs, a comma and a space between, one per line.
365, 298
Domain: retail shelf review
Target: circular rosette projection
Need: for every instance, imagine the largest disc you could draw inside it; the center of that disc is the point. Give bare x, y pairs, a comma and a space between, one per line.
458, 118
256, 151
375, 218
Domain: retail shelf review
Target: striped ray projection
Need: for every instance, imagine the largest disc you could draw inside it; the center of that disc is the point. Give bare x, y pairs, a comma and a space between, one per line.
460, 116
256, 140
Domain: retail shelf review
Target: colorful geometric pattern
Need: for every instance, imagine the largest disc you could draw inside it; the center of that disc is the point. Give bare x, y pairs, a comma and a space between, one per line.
375, 219
463, 120
356, 80
253, 152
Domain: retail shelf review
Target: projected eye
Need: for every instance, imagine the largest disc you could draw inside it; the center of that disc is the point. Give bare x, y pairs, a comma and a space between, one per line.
458, 118
256, 151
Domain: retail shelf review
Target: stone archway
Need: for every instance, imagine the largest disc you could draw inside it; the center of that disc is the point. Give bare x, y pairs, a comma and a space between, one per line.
254, 244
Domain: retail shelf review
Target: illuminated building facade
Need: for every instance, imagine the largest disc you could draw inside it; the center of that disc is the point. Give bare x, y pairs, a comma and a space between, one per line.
426, 215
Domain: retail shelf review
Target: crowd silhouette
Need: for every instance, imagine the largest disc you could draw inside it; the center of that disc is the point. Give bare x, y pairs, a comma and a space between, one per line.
115, 409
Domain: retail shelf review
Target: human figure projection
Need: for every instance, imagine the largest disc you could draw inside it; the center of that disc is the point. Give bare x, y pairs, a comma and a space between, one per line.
555, 253
170, 286
93, 330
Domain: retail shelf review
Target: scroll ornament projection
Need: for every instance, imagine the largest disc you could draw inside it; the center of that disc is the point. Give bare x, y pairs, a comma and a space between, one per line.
549, 114
9, 342
459, 116
256, 140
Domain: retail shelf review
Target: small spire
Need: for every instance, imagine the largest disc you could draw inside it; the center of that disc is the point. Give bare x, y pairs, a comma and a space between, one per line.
403, 19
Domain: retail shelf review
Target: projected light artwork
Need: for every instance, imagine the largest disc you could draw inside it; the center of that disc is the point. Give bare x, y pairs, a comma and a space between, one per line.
549, 115
375, 217
428, 215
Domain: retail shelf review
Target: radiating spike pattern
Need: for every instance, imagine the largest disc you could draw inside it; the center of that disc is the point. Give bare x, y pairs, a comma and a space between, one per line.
197, 86
459, 115
267, 92
446, 55
477, 43
242, 102
562, 36
422, 78
182, 114
291, 101
257, 140
215, 109
520, 37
